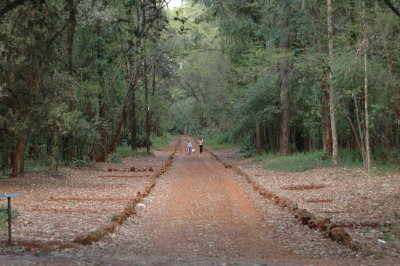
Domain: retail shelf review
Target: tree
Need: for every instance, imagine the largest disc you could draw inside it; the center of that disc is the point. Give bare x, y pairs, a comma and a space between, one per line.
332, 108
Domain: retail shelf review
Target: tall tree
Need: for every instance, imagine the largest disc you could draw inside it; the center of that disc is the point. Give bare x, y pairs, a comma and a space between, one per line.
365, 51
332, 108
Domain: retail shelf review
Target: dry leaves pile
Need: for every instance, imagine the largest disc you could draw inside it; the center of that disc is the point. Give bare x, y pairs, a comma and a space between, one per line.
368, 207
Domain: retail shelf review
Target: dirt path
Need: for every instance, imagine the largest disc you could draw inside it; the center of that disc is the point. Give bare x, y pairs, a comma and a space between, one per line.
197, 210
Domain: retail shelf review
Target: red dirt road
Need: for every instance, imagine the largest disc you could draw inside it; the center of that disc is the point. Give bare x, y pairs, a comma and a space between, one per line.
197, 209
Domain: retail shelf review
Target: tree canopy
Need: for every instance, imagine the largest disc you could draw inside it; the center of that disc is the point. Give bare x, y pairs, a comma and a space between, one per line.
80, 77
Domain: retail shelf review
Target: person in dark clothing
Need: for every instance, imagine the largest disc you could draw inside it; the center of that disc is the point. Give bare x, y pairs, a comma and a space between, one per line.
200, 142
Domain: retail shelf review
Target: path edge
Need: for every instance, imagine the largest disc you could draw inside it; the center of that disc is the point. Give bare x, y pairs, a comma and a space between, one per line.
129, 210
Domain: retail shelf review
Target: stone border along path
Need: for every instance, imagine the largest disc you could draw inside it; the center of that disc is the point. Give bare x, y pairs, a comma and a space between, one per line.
129, 210
333, 231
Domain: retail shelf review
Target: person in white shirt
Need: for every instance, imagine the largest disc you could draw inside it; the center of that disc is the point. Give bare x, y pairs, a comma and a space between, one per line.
189, 147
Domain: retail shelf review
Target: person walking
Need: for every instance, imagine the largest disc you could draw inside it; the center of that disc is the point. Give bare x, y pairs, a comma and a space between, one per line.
189, 147
200, 142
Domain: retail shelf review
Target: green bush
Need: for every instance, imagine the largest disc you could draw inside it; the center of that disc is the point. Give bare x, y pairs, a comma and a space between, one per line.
126, 151
115, 158
392, 234
160, 142
297, 162
4, 216
221, 141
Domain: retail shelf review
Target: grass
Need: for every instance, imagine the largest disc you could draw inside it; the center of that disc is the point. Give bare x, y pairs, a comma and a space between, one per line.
124, 151
300, 162
160, 142
392, 234
221, 142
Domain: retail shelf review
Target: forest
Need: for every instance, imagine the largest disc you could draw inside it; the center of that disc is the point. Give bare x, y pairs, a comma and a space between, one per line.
82, 79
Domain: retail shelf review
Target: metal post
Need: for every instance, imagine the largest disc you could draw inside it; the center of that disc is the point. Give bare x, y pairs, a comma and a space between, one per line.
9, 219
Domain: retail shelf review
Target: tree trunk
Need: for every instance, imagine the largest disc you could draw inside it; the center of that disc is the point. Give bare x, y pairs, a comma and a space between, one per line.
361, 144
332, 108
22, 159
127, 103
153, 126
4, 155
17, 154
133, 123
326, 122
71, 149
71, 34
104, 132
388, 132
367, 145
258, 137
53, 152
34, 148
102, 156
395, 96
147, 106
285, 112
284, 137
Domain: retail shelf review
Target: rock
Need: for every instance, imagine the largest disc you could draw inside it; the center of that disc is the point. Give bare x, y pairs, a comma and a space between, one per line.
277, 199
306, 218
312, 223
303, 215
299, 213
340, 235
283, 202
323, 224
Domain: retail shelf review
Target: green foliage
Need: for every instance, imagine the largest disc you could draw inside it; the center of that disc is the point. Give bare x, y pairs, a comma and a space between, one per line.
4, 216
80, 163
201, 98
300, 162
212, 67
160, 142
392, 234
222, 141
126, 151
115, 158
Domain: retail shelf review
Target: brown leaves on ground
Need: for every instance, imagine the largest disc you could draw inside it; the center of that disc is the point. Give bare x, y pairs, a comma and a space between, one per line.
56, 210
367, 207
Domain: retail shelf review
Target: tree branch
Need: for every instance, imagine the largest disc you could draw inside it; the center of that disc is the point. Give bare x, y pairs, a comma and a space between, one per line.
391, 6
11, 6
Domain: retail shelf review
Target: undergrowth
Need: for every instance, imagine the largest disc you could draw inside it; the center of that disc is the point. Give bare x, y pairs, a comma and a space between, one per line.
392, 234
300, 162
4, 216
297, 162
222, 141
160, 142
124, 151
